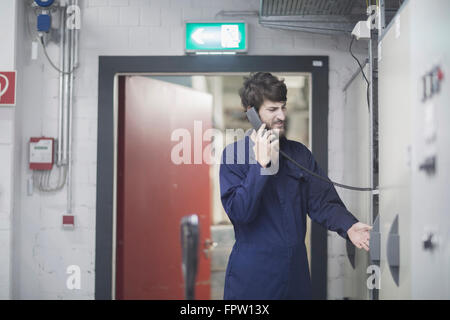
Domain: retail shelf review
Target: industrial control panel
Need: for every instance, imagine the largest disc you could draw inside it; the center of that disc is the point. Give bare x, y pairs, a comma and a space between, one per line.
414, 117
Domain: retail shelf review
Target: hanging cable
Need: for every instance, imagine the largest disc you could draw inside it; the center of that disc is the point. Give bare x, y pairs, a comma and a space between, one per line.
362, 71
41, 180
40, 38
284, 154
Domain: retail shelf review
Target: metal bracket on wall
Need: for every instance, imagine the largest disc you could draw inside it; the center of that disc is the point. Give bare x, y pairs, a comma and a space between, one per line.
374, 244
393, 251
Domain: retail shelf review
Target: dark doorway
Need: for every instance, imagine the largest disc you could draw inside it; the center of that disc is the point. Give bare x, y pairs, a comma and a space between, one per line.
110, 67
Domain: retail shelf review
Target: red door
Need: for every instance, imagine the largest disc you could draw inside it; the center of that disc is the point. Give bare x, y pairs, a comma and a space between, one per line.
154, 193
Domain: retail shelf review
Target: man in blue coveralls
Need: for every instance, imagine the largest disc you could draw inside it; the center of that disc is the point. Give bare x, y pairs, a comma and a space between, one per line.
268, 211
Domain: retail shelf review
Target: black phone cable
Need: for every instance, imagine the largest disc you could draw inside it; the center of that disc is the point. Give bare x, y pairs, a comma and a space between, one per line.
284, 154
362, 71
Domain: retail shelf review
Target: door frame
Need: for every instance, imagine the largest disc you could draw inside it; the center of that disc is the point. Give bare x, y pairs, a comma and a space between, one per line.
112, 66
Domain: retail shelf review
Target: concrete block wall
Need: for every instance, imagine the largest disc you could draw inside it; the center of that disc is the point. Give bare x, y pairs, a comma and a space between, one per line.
42, 251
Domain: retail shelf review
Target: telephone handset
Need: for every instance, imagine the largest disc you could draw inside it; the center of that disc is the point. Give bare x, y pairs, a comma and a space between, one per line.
253, 117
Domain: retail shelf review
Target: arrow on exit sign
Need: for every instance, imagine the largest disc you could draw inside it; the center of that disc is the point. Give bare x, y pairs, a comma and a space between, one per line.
213, 36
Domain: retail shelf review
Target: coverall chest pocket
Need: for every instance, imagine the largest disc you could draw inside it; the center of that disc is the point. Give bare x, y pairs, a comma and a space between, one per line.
295, 184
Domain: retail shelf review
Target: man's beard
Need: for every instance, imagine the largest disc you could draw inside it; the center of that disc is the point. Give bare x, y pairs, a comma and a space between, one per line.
282, 130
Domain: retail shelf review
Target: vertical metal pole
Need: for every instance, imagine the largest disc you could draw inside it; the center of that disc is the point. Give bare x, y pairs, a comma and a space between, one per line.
375, 197
64, 141
61, 89
371, 153
370, 76
61, 86
382, 21
371, 135
70, 112
77, 39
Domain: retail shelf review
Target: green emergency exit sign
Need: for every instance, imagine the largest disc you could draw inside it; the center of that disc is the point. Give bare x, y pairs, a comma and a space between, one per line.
216, 37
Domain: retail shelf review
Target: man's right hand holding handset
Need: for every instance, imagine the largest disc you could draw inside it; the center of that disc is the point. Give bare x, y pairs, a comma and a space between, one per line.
267, 145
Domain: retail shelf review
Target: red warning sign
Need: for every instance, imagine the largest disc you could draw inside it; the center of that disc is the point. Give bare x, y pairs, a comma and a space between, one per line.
7, 88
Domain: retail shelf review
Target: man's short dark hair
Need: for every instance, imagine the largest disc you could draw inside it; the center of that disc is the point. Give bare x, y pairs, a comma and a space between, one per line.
262, 86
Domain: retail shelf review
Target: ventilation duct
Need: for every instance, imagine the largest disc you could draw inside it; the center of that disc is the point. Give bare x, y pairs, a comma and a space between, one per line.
320, 16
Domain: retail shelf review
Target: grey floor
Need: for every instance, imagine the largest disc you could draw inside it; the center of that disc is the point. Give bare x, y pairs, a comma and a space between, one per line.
224, 236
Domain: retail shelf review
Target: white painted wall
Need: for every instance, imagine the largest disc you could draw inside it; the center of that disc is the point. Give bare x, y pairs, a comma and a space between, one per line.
7, 34
7, 115
353, 126
42, 250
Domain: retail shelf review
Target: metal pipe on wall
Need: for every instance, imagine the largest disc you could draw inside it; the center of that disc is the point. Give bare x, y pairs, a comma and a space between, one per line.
371, 120
77, 38
61, 88
73, 34
68, 62
371, 153
66, 91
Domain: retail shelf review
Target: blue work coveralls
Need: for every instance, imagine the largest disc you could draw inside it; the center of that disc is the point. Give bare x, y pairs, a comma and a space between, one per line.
268, 213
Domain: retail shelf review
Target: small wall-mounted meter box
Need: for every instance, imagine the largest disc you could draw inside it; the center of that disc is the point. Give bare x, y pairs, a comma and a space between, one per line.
68, 221
41, 153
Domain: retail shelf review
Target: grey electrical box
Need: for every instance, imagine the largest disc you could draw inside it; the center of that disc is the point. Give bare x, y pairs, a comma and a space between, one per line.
414, 162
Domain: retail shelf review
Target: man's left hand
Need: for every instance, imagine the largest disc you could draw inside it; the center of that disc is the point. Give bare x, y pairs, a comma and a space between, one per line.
359, 234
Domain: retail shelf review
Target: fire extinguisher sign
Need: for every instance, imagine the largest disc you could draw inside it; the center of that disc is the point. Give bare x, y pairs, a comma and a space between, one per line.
7, 88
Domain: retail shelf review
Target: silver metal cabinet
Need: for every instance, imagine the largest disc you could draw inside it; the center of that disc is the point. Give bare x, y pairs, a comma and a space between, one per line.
430, 102
394, 94
414, 128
